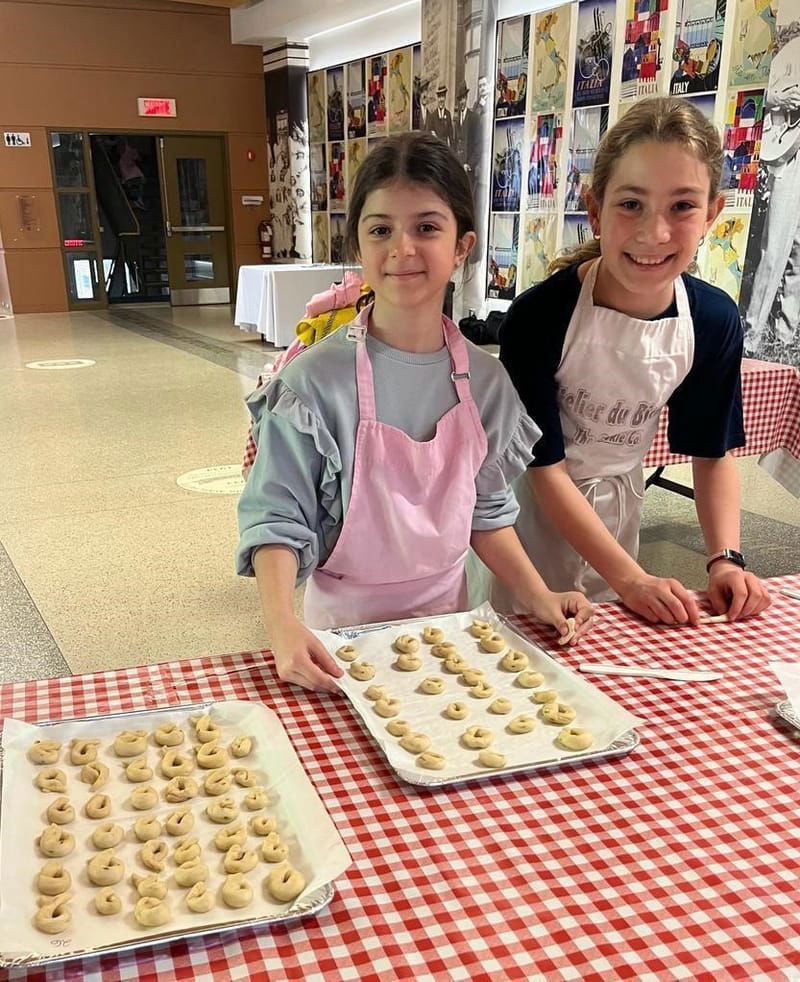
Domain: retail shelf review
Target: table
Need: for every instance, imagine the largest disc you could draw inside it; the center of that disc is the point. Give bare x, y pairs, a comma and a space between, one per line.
271, 299
679, 861
771, 404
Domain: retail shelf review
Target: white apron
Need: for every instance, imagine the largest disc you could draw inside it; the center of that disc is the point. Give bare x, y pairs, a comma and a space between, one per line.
616, 375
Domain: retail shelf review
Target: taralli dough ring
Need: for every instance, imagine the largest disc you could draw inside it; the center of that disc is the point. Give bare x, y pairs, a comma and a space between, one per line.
60, 812
180, 822
44, 751
180, 789
472, 676
83, 751
98, 806
493, 643
432, 686
408, 661
186, 849
444, 650
565, 639
255, 799
347, 653
375, 692
244, 778
481, 690
406, 644
200, 899
130, 743
52, 779
144, 798
53, 879
94, 774
273, 849
138, 771
432, 635
415, 743
431, 761
261, 825
106, 902
149, 885
456, 710
521, 724
500, 706
169, 735
285, 884
241, 746
218, 782
152, 912
530, 680
514, 661
236, 891
362, 670
239, 860
398, 727
236, 835
146, 829
480, 629
558, 712
388, 707
205, 729
153, 855
191, 872
477, 737
211, 755
176, 763
491, 758
222, 811
455, 664
575, 738
105, 869
107, 835
53, 917
55, 842
545, 696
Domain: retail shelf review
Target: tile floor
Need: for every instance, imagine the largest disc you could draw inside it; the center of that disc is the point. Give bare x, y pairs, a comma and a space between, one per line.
105, 561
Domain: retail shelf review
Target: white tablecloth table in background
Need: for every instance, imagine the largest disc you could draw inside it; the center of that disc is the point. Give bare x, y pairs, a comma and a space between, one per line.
271, 299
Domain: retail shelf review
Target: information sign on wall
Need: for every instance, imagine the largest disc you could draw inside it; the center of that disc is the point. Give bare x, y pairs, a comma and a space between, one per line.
157, 107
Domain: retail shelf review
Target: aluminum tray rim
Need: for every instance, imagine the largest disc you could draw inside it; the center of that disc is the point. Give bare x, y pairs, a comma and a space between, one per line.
786, 712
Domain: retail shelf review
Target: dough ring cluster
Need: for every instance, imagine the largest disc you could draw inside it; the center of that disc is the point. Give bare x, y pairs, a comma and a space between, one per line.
575, 738
53, 879
415, 743
191, 872
558, 712
571, 631
218, 782
362, 671
491, 758
130, 743
456, 710
530, 680
53, 916
477, 737
480, 629
455, 664
388, 707
60, 812
431, 761
255, 799
95, 774
107, 835
239, 860
244, 778
347, 653
44, 751
285, 884
152, 912
501, 706
146, 829
472, 676
200, 899
406, 644
261, 825
236, 891
52, 779
205, 729
432, 686
521, 724
241, 746
446, 649
105, 869
432, 635
149, 885
493, 643
481, 690
222, 811
409, 661
274, 849
180, 789
83, 751
106, 902
144, 798
55, 842
168, 735
398, 727
211, 755
186, 849
153, 855
180, 822
514, 661
375, 692
236, 835
175, 762
545, 695
138, 771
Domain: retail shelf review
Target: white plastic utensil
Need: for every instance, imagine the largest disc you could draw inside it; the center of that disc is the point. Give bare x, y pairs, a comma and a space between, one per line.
713, 619
678, 674
794, 594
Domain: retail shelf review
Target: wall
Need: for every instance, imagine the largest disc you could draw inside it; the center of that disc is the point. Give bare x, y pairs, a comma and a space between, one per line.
82, 64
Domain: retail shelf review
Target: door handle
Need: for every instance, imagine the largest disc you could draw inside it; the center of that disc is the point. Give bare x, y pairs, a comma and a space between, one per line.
198, 228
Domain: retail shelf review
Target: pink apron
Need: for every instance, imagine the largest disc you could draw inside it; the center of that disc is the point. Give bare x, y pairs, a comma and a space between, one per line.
405, 537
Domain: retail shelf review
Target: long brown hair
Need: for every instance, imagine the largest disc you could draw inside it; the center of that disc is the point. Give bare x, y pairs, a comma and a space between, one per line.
661, 119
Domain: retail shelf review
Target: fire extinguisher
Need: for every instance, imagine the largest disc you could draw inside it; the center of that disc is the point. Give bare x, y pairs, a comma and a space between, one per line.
265, 240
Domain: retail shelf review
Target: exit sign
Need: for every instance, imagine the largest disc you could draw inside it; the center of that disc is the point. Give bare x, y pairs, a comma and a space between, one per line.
157, 107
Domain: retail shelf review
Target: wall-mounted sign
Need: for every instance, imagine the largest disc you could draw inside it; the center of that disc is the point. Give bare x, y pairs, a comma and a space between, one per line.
157, 107
17, 139
28, 213
252, 199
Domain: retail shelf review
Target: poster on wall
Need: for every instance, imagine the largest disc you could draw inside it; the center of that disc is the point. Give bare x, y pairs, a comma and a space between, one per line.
546, 134
416, 88
320, 238
319, 179
592, 76
697, 48
507, 164
356, 101
576, 232
548, 86
588, 128
744, 123
512, 67
337, 189
399, 85
642, 55
752, 42
720, 258
356, 152
538, 248
337, 225
503, 247
705, 103
317, 112
376, 96
335, 90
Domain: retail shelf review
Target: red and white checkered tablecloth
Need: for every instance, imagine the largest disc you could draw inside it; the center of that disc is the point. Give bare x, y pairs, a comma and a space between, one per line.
771, 402
679, 861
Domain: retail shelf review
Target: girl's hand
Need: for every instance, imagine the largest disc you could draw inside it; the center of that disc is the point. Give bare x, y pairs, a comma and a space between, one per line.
735, 592
301, 657
660, 600
555, 608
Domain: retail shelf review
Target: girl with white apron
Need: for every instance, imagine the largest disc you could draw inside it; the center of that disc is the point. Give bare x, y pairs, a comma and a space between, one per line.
616, 374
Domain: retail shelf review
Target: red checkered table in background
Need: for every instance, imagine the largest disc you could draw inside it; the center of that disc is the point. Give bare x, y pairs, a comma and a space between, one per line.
679, 861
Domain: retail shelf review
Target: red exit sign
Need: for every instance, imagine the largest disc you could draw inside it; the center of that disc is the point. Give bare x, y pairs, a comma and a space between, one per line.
157, 107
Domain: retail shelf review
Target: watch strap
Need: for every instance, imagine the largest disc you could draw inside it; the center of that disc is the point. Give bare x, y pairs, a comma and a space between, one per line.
731, 555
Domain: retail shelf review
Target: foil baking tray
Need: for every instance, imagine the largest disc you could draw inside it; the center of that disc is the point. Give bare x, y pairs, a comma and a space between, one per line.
786, 712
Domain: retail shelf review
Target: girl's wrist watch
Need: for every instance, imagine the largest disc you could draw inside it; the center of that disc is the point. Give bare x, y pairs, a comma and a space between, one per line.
730, 554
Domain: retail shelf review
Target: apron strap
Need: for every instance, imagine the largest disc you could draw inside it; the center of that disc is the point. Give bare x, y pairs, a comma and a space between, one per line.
459, 357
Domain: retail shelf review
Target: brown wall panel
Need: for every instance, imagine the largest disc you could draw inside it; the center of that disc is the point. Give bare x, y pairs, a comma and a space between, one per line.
27, 167
6, 306
246, 255
42, 209
37, 280
246, 217
248, 173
